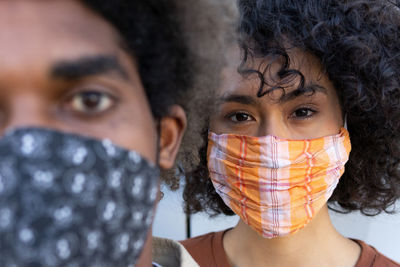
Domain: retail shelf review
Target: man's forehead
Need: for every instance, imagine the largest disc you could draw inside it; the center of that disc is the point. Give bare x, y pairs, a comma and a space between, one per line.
37, 34
45, 20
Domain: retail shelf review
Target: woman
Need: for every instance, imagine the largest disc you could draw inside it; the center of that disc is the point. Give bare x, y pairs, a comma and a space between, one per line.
317, 80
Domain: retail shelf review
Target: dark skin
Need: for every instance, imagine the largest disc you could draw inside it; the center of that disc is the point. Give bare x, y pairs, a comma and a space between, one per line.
63, 67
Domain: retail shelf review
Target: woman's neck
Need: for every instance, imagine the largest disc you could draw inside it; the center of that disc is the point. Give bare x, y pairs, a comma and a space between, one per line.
318, 244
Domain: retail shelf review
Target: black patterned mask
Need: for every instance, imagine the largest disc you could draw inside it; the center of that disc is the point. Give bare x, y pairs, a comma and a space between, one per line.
67, 200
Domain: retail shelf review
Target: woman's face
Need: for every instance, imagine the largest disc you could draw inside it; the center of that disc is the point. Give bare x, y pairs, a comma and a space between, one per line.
292, 116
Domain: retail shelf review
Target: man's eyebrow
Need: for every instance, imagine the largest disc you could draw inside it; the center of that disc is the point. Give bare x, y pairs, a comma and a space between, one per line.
87, 66
306, 91
242, 99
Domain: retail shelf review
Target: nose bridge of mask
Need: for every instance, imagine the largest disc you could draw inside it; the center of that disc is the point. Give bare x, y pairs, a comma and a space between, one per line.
68, 199
289, 183
271, 151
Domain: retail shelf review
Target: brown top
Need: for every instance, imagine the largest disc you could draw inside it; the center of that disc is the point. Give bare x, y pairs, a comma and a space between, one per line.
208, 251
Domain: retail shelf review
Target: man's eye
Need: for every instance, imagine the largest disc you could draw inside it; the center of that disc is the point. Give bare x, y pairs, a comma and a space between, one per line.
240, 117
91, 102
303, 113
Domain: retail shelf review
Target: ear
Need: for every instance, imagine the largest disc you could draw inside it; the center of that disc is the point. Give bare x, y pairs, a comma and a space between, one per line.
172, 129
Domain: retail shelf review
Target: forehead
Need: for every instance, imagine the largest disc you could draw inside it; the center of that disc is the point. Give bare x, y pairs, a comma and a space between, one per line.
39, 31
236, 83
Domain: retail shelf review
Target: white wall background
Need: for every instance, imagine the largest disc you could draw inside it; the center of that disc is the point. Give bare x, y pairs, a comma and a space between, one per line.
382, 232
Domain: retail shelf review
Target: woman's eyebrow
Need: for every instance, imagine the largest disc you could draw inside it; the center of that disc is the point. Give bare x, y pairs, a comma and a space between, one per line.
87, 66
306, 91
242, 99
252, 100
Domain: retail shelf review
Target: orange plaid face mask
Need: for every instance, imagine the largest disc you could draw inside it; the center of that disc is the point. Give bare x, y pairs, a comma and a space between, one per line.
276, 185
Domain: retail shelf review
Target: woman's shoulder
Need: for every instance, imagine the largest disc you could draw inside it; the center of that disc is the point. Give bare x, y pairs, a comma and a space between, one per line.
372, 258
205, 240
207, 250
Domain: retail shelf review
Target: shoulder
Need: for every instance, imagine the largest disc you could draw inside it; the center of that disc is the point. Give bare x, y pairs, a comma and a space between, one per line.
202, 245
167, 252
371, 257
207, 249
200, 241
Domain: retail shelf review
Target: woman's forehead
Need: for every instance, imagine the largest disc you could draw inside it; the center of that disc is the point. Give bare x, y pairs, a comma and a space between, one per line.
237, 82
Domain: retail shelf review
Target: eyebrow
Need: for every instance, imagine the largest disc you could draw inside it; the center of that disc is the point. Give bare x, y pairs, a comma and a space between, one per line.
87, 66
250, 100
242, 99
307, 91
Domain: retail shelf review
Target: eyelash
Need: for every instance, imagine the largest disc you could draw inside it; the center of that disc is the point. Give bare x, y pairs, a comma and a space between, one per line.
292, 115
81, 93
307, 108
230, 115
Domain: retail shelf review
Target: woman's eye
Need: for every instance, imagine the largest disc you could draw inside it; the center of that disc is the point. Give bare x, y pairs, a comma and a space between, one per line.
91, 102
240, 117
303, 113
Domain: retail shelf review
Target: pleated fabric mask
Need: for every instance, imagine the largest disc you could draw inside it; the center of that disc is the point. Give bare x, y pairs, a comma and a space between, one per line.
68, 200
276, 186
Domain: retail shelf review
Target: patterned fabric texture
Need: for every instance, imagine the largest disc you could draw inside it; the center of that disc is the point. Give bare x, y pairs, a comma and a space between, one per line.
276, 185
67, 200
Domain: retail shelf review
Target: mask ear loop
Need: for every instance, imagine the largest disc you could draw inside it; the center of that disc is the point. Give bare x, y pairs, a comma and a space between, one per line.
345, 122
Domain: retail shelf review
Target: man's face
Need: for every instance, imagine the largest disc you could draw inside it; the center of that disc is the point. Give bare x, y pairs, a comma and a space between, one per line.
63, 67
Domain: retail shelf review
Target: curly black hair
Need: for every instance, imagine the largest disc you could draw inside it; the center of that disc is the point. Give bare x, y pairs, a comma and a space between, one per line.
176, 46
358, 44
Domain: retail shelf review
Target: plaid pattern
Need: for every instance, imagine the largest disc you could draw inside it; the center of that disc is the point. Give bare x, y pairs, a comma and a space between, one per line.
276, 185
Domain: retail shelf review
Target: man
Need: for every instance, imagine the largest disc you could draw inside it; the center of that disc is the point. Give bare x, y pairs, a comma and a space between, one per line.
112, 77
